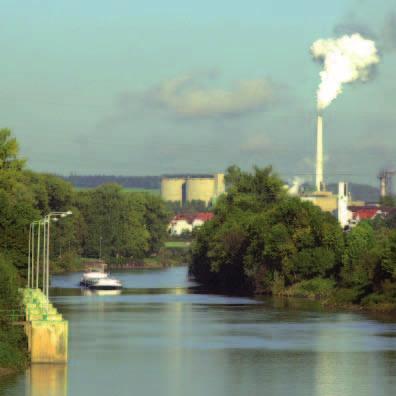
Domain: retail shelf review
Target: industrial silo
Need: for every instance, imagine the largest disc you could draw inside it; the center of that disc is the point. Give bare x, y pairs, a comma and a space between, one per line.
172, 189
200, 189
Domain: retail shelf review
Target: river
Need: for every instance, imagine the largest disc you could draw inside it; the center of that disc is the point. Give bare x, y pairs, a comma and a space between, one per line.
163, 337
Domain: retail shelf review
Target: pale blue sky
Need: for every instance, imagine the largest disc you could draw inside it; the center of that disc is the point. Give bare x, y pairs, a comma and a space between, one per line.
83, 86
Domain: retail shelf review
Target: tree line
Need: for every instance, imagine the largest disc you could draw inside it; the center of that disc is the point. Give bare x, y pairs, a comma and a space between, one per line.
264, 241
106, 222
139, 182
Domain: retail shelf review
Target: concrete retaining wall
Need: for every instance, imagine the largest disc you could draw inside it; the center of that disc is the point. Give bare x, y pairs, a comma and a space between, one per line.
45, 329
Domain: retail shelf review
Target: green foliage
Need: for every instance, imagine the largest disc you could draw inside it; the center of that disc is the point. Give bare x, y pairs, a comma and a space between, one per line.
12, 347
359, 241
9, 282
9, 151
263, 240
313, 288
12, 340
389, 201
114, 223
129, 225
179, 244
121, 225
17, 210
156, 217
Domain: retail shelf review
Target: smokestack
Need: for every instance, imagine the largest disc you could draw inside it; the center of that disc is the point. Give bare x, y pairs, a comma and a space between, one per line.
319, 155
342, 204
382, 185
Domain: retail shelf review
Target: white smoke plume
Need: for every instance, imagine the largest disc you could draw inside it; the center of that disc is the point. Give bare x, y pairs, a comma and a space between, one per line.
345, 60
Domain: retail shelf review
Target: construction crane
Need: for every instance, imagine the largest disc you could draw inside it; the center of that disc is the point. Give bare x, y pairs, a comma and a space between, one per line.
385, 177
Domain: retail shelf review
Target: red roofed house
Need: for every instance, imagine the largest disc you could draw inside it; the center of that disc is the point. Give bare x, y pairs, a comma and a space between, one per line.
201, 218
367, 212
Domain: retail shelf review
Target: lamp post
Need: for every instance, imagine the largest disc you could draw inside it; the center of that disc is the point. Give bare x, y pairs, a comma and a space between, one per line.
40, 223
38, 254
49, 216
45, 222
32, 254
29, 254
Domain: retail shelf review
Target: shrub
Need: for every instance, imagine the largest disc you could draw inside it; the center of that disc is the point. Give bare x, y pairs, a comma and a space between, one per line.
312, 288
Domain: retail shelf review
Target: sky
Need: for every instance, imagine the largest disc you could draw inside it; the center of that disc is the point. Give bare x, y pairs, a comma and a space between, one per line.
121, 87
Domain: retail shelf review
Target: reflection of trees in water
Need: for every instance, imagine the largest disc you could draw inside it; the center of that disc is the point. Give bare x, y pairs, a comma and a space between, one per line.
10, 381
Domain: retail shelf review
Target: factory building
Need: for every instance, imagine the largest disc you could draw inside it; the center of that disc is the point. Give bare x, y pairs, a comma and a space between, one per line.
322, 198
172, 189
192, 188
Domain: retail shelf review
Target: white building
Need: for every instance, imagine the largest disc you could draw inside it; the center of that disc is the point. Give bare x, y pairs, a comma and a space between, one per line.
186, 223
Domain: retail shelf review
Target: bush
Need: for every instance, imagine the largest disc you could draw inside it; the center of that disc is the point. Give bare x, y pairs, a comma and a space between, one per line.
344, 296
9, 282
12, 347
312, 288
12, 338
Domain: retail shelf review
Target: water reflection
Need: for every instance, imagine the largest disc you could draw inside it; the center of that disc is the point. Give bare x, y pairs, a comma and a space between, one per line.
174, 341
88, 292
46, 380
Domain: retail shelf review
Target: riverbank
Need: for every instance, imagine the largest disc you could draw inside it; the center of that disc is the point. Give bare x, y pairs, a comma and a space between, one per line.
329, 295
13, 349
168, 256
322, 291
13, 343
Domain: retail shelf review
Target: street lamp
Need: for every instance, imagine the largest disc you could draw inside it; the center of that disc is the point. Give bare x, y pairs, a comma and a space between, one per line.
51, 216
34, 256
31, 255
40, 223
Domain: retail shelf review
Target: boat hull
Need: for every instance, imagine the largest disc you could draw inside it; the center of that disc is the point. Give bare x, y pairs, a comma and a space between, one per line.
104, 287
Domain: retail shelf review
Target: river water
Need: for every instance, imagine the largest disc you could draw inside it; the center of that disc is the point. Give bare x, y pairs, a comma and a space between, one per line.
161, 336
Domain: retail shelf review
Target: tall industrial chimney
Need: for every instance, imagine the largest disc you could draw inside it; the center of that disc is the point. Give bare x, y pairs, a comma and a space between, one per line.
319, 155
342, 204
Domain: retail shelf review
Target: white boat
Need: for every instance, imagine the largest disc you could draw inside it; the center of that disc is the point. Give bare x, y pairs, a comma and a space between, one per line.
91, 277
106, 284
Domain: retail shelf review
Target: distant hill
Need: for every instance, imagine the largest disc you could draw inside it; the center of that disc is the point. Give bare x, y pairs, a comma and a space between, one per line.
359, 192
133, 182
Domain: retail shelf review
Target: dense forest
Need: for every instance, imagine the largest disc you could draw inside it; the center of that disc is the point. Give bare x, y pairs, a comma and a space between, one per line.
106, 221
264, 241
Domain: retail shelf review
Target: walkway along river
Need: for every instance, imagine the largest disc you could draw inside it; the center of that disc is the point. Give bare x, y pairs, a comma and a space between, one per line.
162, 337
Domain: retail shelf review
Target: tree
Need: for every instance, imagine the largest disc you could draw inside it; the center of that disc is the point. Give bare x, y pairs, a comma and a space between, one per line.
9, 151
156, 218
388, 200
359, 241
261, 238
17, 211
115, 223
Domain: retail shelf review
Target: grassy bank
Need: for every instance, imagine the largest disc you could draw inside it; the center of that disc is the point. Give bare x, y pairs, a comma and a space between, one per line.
173, 253
326, 291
